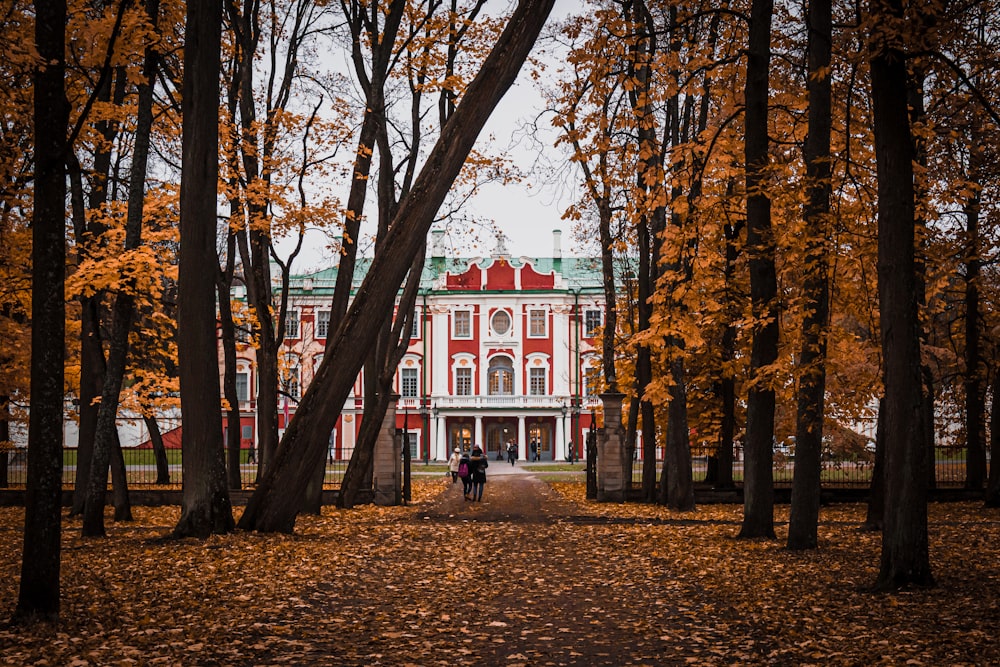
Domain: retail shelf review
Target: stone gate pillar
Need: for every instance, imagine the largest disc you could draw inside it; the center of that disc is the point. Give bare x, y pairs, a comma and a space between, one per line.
613, 476
387, 465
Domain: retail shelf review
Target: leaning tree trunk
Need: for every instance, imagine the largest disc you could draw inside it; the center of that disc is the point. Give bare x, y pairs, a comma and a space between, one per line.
159, 451
205, 505
38, 595
278, 498
905, 558
803, 521
758, 482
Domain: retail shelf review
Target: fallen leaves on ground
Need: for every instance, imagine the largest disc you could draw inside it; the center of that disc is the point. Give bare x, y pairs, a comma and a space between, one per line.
586, 584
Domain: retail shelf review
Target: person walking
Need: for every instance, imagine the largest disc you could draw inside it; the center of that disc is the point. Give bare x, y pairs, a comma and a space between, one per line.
478, 463
511, 452
465, 472
453, 463
534, 450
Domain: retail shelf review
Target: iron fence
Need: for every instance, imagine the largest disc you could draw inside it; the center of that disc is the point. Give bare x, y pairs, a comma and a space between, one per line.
141, 469
847, 472
854, 471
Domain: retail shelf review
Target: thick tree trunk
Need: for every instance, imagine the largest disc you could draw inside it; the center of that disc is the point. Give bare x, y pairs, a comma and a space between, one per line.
91, 379
758, 481
205, 505
905, 558
804, 514
275, 503
38, 595
680, 480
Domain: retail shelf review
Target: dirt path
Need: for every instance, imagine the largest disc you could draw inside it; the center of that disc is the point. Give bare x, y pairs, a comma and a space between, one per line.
511, 494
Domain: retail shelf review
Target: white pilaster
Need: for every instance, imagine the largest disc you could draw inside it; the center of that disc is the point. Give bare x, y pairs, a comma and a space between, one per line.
522, 437
479, 433
560, 443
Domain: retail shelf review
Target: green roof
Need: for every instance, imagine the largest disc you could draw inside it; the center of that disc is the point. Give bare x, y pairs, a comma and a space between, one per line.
577, 272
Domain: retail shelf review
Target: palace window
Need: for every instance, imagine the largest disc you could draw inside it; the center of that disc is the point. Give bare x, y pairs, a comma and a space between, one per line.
463, 382
461, 324
243, 387
292, 382
408, 382
500, 323
322, 323
292, 324
536, 381
500, 377
591, 322
536, 324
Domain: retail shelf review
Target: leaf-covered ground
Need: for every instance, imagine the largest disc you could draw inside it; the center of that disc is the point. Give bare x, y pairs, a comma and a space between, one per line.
535, 575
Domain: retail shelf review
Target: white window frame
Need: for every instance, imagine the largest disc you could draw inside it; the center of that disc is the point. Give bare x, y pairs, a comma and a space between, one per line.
415, 332
590, 329
458, 385
322, 327
456, 363
293, 324
510, 323
532, 372
454, 323
403, 373
544, 320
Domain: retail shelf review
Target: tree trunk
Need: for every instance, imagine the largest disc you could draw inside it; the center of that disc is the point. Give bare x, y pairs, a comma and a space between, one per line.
876, 493
277, 500
680, 482
119, 482
993, 485
4, 440
38, 595
804, 514
727, 382
905, 559
106, 442
205, 505
159, 451
758, 482
227, 330
975, 403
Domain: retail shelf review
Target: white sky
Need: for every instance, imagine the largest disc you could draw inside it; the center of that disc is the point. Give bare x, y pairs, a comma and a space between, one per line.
526, 212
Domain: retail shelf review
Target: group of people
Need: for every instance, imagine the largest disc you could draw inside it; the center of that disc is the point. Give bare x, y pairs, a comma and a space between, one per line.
471, 469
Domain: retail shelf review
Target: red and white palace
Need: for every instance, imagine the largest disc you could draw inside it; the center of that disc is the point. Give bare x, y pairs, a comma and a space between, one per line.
502, 349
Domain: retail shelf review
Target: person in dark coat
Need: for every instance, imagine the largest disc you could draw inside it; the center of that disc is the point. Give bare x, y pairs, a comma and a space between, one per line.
511, 452
478, 463
464, 466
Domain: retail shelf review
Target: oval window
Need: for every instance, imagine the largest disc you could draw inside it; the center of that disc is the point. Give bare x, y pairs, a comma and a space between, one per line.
501, 322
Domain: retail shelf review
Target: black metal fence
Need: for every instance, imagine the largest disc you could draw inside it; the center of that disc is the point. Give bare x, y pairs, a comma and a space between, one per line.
141, 469
854, 471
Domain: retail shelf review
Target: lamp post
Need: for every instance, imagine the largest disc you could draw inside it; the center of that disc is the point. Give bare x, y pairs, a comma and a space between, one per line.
434, 413
576, 416
425, 424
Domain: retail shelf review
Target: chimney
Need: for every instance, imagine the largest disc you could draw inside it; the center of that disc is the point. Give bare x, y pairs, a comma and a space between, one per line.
556, 244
